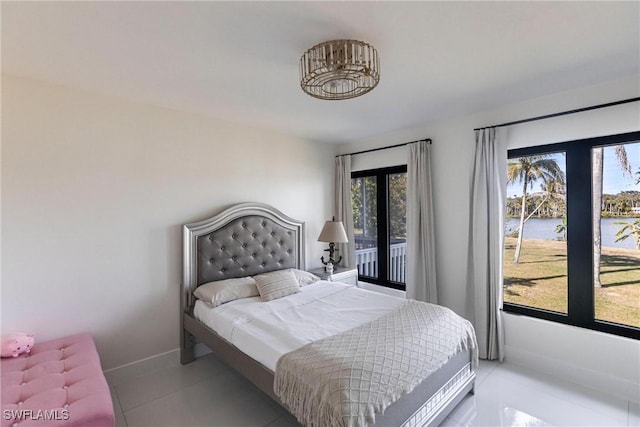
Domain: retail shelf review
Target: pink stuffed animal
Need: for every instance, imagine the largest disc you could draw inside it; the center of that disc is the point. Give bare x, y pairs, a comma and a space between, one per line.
12, 345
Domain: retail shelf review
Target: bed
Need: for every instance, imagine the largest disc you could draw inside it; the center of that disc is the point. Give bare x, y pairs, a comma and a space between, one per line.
257, 338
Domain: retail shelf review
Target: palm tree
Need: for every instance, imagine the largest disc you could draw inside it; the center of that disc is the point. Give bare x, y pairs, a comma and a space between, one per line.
552, 190
562, 228
623, 162
526, 170
629, 229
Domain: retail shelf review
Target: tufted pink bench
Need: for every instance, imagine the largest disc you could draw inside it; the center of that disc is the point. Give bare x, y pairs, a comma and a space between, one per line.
59, 384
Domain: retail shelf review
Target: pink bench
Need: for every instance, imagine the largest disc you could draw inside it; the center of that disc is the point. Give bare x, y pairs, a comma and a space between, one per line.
59, 384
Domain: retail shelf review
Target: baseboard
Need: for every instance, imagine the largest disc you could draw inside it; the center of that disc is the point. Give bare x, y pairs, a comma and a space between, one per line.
619, 387
141, 367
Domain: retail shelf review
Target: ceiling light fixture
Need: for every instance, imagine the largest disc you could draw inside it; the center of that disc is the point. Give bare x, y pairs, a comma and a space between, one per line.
339, 69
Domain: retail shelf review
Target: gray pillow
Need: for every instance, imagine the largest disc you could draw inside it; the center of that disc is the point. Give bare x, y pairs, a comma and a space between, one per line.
223, 291
276, 284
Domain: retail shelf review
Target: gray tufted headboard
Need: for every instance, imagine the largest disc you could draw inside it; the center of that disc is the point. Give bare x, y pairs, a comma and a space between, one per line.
243, 240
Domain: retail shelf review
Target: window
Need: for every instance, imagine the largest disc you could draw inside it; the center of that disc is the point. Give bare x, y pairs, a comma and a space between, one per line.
572, 233
379, 202
537, 182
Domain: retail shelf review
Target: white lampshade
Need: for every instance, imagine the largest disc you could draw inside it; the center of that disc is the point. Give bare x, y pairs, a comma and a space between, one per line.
333, 231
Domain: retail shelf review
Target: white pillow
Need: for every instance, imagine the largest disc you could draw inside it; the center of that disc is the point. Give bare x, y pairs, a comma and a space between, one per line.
223, 291
276, 284
304, 277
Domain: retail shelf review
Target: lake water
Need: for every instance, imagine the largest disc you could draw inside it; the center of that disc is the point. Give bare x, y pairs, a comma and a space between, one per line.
544, 228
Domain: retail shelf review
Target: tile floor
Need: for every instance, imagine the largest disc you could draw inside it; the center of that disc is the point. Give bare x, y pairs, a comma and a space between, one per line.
207, 393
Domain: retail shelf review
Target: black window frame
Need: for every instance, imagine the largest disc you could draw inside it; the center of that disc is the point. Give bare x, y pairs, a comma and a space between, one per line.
579, 198
382, 211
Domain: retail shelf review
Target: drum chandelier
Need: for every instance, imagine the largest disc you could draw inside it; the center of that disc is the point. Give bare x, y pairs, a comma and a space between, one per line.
339, 69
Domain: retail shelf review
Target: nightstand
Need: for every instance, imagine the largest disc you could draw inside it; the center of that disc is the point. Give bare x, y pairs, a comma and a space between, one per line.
340, 274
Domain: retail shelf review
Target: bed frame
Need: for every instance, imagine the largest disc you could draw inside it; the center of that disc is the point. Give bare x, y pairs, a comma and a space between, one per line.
253, 238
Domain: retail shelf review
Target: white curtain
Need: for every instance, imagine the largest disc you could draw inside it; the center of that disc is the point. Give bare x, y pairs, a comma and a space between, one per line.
343, 210
421, 257
486, 242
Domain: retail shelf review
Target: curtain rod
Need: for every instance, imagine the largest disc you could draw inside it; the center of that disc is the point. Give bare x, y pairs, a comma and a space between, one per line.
562, 113
384, 148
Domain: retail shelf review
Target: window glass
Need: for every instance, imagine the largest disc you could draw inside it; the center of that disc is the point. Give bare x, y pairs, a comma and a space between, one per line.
379, 202
397, 227
616, 232
535, 252
365, 224
572, 233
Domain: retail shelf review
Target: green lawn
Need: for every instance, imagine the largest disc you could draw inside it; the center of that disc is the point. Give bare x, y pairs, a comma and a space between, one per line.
540, 280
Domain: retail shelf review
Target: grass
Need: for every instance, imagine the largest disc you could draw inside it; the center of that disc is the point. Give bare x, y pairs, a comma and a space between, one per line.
540, 280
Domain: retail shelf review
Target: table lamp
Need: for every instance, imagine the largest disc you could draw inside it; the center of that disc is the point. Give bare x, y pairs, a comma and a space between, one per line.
332, 232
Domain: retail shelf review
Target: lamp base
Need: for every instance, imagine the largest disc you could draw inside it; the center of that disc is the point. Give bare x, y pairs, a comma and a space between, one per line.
332, 250
331, 260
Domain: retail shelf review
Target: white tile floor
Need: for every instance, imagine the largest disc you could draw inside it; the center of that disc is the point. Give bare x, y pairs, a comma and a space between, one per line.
207, 393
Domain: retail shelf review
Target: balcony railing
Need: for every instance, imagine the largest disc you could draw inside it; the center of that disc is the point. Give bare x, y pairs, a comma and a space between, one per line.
367, 262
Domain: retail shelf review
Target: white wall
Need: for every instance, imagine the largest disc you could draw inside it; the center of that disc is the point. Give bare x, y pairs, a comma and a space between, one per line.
452, 162
94, 193
379, 159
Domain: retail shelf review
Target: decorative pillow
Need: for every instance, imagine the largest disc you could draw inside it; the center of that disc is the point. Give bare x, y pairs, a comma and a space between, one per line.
13, 345
223, 291
304, 277
276, 284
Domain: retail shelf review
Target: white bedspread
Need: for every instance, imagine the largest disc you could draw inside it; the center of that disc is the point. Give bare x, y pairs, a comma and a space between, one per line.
267, 330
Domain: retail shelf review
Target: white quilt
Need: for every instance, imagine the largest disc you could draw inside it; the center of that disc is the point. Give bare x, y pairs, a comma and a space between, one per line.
267, 330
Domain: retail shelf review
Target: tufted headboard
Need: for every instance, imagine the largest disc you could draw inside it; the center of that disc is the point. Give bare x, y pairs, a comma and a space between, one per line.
243, 240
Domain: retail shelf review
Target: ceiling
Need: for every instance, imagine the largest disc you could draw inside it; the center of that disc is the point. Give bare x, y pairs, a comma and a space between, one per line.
239, 60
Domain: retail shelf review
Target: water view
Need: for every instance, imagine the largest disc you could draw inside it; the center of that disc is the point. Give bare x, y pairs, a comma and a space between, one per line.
545, 229
536, 273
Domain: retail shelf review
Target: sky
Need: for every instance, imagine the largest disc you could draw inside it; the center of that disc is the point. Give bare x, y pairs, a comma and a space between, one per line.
613, 179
